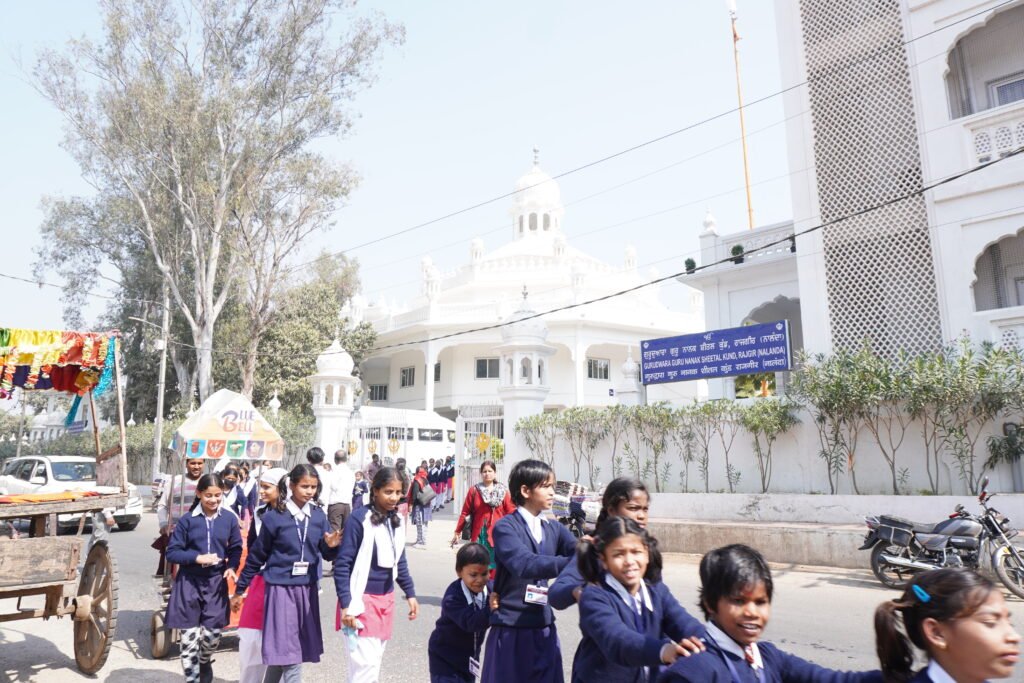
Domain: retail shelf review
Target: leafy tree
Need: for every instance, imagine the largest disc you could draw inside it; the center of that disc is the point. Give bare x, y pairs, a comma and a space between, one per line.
683, 436
766, 419
925, 404
196, 114
655, 423
885, 387
703, 419
540, 432
584, 429
726, 425
616, 420
305, 324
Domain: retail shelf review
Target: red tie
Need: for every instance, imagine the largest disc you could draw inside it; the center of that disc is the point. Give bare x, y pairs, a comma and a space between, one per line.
748, 654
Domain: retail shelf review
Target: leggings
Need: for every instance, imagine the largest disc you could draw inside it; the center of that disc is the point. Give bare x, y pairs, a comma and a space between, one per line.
288, 673
197, 646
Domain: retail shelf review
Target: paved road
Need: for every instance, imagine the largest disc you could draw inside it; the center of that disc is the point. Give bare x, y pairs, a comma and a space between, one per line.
822, 615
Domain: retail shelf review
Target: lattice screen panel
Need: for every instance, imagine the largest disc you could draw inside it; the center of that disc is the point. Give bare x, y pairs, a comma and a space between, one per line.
880, 274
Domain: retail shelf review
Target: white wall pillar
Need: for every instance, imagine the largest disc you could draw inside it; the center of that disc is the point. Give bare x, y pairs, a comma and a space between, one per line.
430, 353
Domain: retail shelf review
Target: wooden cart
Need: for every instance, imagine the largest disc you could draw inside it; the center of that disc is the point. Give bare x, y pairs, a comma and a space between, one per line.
42, 563
45, 564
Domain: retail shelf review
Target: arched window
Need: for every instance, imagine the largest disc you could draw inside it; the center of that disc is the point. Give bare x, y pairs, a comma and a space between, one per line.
540, 372
533, 222
520, 225
510, 374
999, 275
547, 221
527, 373
329, 395
984, 68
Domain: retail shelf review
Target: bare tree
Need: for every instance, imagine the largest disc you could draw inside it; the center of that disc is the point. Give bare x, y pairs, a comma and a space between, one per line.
189, 108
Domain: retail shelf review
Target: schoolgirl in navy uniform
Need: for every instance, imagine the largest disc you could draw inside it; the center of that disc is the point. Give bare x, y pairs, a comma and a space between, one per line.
250, 623
631, 623
623, 497
207, 547
956, 617
234, 495
522, 644
372, 560
454, 646
736, 597
293, 537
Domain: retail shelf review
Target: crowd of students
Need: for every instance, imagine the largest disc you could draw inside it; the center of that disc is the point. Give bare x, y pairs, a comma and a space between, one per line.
503, 630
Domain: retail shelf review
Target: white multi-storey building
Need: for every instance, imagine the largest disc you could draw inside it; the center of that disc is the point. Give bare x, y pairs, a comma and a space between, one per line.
590, 343
882, 100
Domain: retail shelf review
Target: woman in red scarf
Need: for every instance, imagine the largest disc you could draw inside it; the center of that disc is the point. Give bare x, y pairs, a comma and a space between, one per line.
420, 513
487, 502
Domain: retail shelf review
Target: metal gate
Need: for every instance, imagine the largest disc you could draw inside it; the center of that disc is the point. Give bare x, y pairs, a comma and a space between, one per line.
479, 436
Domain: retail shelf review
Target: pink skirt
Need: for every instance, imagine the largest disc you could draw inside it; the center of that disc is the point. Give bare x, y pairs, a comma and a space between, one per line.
378, 617
252, 608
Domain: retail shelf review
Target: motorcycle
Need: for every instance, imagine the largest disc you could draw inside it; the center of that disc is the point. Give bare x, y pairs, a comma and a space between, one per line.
576, 508
901, 548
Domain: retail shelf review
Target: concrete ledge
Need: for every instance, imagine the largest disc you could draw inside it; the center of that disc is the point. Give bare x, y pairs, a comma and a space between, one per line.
787, 543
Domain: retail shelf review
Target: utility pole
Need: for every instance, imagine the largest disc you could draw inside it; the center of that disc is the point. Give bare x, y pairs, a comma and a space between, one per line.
739, 98
158, 423
21, 425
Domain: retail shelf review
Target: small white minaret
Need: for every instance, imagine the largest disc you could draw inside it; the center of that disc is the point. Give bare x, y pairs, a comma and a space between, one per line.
629, 391
333, 396
523, 380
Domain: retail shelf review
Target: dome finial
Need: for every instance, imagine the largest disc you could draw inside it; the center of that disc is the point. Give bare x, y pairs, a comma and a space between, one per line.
536, 156
524, 292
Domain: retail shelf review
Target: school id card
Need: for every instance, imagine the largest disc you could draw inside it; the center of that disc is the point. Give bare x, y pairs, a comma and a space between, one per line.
300, 568
536, 595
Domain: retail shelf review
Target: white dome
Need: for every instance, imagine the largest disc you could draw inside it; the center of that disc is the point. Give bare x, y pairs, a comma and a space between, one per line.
40, 419
536, 189
524, 325
335, 361
630, 367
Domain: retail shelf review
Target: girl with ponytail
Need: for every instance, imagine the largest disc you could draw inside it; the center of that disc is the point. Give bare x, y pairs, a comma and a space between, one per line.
958, 619
631, 624
623, 497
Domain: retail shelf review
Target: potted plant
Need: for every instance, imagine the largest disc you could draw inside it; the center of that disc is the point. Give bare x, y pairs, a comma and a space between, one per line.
737, 253
691, 265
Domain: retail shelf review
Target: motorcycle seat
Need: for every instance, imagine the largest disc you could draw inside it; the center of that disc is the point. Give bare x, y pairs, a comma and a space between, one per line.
900, 523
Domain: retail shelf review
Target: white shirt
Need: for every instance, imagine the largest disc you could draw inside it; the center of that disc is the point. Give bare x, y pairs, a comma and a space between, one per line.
534, 523
300, 514
731, 646
342, 483
938, 674
326, 478
480, 599
630, 600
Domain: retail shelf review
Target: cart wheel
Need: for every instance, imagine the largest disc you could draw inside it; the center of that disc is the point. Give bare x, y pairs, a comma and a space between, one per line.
159, 636
94, 634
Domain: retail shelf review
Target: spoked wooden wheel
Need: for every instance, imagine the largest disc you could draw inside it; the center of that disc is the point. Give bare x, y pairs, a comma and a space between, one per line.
95, 632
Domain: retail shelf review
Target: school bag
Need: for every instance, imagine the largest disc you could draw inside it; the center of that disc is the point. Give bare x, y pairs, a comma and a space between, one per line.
425, 496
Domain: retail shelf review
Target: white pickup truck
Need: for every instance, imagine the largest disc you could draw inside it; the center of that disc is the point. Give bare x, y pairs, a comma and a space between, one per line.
58, 473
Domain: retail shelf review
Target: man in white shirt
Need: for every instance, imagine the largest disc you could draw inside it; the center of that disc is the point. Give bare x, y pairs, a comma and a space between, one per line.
315, 457
339, 498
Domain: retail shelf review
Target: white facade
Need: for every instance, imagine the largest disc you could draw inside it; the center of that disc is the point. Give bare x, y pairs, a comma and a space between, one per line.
880, 115
588, 344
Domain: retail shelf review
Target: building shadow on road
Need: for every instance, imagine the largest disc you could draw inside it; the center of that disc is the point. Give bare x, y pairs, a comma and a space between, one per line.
38, 654
136, 675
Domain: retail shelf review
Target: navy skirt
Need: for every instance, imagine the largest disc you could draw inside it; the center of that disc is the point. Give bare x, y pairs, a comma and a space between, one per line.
522, 654
291, 625
198, 601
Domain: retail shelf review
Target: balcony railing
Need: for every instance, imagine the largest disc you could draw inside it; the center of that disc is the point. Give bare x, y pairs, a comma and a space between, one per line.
994, 133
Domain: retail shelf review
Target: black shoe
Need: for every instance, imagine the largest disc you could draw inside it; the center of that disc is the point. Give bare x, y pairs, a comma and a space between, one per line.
206, 672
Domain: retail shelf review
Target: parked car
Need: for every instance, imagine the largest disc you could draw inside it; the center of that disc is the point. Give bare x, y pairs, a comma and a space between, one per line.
59, 473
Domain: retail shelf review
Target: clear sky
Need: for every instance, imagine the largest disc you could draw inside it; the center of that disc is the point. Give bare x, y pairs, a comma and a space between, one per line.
452, 122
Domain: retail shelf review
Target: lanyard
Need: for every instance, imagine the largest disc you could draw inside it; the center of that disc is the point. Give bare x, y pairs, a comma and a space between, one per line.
302, 538
759, 673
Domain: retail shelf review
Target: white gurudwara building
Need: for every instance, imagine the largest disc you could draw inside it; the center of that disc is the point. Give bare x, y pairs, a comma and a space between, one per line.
581, 359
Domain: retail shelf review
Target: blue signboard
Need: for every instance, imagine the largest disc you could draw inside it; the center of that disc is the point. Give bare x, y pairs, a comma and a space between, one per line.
77, 427
719, 353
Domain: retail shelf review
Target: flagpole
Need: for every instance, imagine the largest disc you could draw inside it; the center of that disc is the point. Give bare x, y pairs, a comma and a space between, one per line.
739, 98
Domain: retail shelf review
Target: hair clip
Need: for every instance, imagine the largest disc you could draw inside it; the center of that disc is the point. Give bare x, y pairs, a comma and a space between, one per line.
921, 594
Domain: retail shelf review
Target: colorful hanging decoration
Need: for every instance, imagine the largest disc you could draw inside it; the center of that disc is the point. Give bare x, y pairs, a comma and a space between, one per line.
68, 361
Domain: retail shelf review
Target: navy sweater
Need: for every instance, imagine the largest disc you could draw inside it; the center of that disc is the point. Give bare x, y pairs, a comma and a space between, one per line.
612, 649
520, 561
560, 593
189, 542
277, 547
457, 635
379, 581
779, 667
